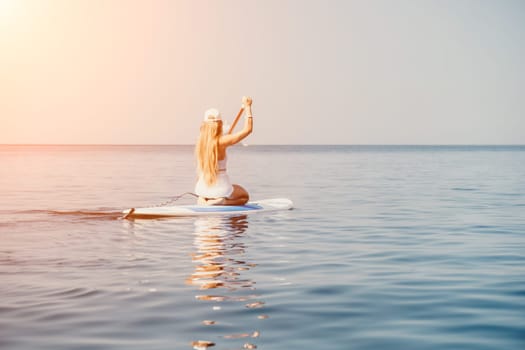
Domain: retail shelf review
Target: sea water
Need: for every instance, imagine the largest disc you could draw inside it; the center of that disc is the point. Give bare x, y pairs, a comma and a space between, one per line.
388, 247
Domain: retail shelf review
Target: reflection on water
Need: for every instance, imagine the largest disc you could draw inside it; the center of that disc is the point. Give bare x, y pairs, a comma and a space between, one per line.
220, 260
391, 247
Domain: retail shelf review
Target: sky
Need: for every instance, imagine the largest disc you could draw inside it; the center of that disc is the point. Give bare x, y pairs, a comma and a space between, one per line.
319, 72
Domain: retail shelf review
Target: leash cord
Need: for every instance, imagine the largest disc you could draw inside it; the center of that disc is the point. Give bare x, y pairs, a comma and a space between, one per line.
163, 204
174, 199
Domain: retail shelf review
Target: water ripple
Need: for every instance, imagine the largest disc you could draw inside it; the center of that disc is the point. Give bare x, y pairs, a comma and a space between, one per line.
388, 248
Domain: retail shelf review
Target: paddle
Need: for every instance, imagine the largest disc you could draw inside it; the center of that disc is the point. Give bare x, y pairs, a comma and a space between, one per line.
131, 211
236, 120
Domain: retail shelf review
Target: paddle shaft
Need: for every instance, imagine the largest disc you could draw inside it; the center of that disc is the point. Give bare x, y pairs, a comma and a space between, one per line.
236, 120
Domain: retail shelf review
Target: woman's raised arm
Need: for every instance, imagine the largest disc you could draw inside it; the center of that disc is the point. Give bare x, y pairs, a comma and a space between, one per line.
232, 139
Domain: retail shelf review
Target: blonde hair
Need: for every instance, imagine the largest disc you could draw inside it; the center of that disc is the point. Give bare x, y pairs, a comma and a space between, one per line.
207, 150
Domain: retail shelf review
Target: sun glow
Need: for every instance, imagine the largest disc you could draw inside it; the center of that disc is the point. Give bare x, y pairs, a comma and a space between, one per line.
6, 7
8, 11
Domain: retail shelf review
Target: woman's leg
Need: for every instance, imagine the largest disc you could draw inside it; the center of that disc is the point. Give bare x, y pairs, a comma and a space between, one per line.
210, 201
239, 196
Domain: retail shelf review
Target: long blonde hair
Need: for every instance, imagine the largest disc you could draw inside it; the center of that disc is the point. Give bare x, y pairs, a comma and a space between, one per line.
207, 150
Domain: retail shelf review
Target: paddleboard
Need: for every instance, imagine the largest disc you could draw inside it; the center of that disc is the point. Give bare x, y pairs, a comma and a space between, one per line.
265, 205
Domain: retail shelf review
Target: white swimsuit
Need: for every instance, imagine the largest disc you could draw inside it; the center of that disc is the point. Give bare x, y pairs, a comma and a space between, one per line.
221, 188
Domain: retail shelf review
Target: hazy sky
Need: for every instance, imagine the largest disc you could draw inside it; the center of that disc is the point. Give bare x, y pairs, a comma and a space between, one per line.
326, 71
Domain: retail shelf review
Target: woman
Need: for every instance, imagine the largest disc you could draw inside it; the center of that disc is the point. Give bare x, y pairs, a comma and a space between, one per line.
214, 186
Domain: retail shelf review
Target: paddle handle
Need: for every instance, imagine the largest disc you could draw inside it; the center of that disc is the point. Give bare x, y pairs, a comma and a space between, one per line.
236, 120
131, 211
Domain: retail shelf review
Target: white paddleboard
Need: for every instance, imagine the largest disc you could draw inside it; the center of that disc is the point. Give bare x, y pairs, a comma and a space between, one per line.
265, 205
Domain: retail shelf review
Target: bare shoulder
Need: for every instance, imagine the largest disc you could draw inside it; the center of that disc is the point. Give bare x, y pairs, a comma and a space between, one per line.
227, 140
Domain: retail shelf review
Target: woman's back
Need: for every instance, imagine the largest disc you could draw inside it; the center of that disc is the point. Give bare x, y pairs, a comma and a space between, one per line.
213, 182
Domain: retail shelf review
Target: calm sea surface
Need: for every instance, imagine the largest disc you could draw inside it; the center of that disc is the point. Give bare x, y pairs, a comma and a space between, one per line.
388, 247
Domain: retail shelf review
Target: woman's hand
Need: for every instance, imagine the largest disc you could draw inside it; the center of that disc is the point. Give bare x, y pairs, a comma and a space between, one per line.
246, 101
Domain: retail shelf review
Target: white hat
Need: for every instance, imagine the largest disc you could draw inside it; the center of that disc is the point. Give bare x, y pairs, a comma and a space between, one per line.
212, 115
